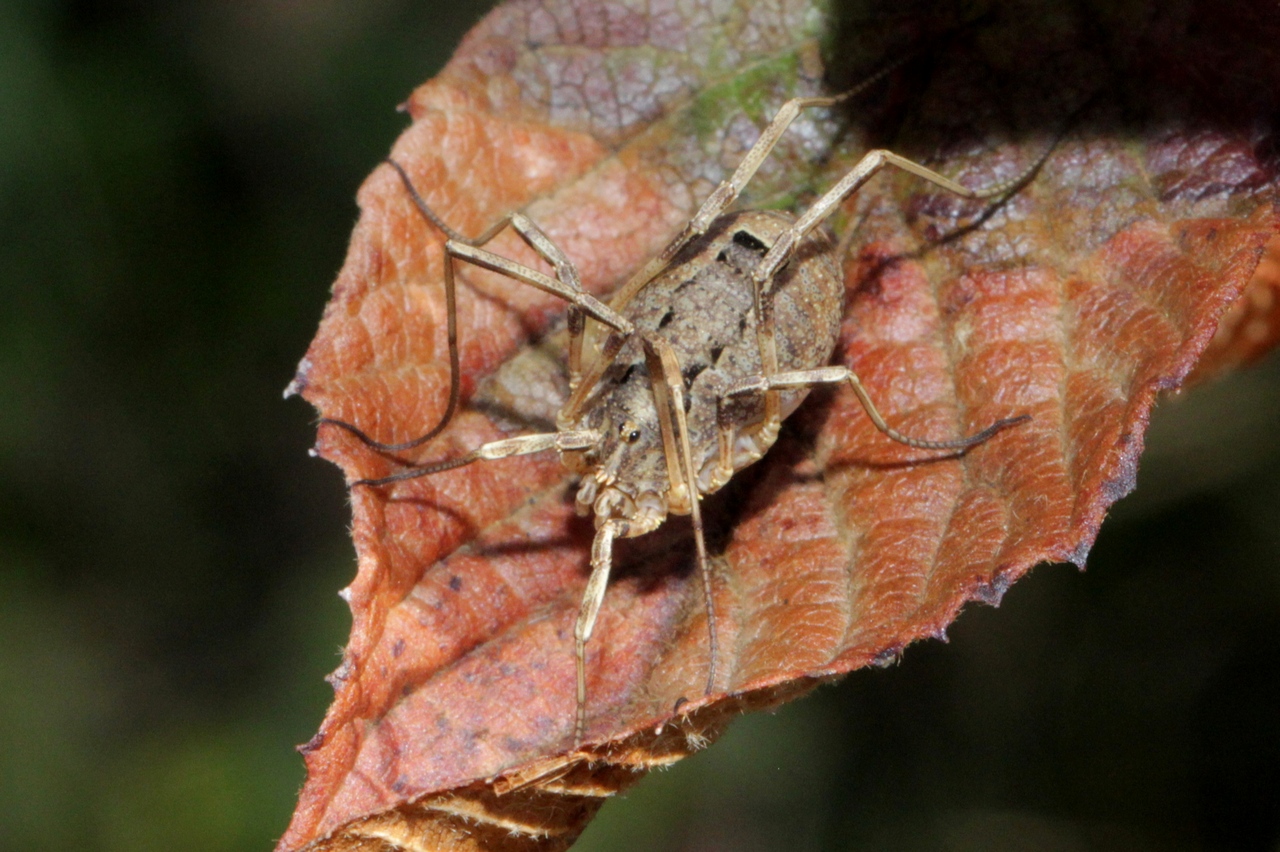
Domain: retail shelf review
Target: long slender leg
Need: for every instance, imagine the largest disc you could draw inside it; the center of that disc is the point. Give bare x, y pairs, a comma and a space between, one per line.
451, 320
430, 215
668, 387
728, 191
534, 236
592, 596
567, 274
584, 301
521, 445
570, 289
782, 250
669, 397
871, 163
835, 375
588, 305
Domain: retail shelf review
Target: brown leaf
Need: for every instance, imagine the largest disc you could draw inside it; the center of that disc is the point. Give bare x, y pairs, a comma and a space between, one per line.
1251, 328
1092, 289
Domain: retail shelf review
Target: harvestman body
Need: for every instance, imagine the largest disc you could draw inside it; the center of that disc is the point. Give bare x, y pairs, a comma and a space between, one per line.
708, 348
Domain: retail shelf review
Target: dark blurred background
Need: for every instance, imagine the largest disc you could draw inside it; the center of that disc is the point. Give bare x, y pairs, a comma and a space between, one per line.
176, 197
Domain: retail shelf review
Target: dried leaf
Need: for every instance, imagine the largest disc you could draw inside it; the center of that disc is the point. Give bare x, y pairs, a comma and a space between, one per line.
1092, 289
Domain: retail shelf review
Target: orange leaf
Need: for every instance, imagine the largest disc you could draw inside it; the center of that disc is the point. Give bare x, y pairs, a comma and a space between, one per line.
1251, 328
1093, 288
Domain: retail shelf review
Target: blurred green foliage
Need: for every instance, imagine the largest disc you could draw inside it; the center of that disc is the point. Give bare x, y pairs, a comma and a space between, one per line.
175, 197
176, 188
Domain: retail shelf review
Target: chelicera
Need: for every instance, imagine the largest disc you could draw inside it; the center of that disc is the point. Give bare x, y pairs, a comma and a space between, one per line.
703, 353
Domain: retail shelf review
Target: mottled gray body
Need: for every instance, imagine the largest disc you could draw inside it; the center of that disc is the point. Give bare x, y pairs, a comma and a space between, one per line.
703, 306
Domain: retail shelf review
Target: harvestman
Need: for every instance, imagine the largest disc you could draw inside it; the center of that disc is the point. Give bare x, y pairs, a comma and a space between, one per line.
708, 348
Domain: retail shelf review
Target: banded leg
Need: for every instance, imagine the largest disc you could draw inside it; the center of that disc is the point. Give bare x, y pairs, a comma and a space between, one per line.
834, 375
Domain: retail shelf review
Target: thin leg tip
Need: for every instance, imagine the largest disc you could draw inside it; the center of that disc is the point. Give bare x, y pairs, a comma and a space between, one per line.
995, 428
1008, 422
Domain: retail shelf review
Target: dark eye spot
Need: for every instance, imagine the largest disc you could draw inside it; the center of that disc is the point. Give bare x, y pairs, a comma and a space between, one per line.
750, 241
633, 436
692, 373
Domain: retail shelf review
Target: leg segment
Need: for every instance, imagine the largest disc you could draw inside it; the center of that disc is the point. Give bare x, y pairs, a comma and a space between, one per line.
537, 240
571, 292
683, 496
727, 192
613, 345
871, 163
726, 431
835, 375
668, 387
522, 445
580, 301
592, 597
567, 285
783, 249
567, 274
